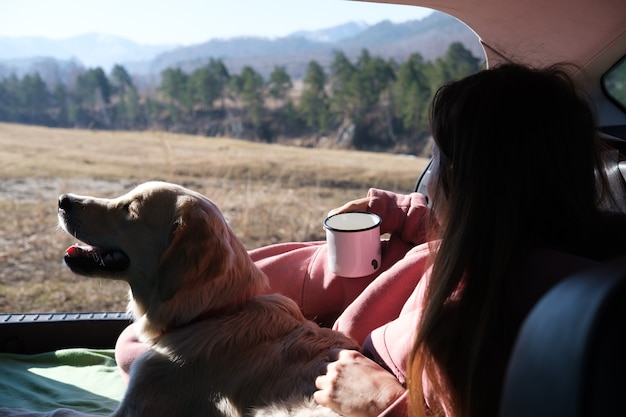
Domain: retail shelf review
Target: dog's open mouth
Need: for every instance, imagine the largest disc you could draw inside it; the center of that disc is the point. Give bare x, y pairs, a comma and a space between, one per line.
88, 260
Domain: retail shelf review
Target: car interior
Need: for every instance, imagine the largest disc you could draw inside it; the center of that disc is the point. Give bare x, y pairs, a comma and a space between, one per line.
569, 358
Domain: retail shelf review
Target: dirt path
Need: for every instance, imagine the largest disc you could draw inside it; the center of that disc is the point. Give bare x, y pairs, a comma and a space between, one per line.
49, 189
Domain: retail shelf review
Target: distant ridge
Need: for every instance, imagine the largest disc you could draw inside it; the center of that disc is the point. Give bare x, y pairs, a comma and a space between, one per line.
92, 49
334, 34
429, 36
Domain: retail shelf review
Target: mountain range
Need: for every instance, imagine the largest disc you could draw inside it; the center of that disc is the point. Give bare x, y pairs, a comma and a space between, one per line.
429, 36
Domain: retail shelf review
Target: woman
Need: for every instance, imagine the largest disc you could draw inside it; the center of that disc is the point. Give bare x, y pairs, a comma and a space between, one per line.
516, 185
515, 188
518, 177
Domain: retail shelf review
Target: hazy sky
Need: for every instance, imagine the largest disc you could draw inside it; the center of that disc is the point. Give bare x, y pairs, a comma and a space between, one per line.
188, 21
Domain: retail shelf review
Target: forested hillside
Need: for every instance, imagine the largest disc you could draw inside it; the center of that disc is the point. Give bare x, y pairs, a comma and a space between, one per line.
296, 89
368, 103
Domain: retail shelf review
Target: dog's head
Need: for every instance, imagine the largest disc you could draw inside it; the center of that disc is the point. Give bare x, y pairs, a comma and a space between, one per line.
171, 244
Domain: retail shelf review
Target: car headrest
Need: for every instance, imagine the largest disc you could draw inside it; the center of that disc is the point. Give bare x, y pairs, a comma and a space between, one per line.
570, 355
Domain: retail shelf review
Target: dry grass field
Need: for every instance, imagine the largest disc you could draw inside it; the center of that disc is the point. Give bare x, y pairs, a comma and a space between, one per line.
269, 193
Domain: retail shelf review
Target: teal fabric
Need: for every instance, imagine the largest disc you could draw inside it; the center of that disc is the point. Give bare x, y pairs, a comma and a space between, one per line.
80, 379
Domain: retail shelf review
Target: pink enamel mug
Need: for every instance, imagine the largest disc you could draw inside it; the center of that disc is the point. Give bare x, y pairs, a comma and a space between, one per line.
353, 241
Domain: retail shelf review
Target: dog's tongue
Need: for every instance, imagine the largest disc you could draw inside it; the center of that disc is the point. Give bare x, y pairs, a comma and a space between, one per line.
89, 259
74, 251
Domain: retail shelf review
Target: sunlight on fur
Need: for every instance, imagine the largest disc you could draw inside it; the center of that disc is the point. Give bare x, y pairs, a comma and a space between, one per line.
215, 340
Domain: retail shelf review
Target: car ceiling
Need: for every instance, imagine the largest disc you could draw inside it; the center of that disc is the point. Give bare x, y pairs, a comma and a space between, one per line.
589, 33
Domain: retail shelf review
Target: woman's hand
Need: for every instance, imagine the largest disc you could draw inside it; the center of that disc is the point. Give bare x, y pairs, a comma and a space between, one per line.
356, 386
361, 204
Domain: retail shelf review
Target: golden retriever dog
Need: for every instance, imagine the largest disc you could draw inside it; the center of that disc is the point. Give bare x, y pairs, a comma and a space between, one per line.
219, 346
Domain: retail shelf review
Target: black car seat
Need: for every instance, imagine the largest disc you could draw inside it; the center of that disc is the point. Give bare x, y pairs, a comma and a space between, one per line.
570, 355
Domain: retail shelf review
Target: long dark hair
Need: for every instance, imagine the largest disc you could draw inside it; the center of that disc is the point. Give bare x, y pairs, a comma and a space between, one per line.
519, 168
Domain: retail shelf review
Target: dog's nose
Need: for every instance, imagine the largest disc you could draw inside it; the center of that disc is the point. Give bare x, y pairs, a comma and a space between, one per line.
65, 202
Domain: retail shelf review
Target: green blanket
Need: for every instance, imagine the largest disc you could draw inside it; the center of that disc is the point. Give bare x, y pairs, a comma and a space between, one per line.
79, 379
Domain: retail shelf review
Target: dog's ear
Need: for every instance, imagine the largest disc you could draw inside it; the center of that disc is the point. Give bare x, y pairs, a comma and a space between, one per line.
199, 250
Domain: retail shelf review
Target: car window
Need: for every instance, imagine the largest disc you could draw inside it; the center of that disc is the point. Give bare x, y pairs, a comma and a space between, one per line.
276, 136
614, 83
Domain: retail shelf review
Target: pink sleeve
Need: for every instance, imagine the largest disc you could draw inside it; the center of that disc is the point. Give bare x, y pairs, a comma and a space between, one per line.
386, 300
405, 215
300, 271
392, 344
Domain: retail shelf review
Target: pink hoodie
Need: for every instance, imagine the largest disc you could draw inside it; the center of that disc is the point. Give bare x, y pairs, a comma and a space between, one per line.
381, 311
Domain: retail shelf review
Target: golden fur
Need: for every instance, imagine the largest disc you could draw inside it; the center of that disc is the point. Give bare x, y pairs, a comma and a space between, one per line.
218, 346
